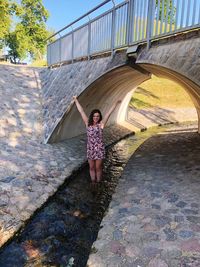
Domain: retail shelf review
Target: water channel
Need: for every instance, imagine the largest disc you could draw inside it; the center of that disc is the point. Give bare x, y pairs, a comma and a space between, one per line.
62, 232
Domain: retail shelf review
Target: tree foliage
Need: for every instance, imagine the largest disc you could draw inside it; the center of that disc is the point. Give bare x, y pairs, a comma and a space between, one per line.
33, 20
5, 20
28, 36
18, 43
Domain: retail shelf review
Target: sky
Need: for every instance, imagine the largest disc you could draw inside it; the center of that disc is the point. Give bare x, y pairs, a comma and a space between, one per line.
63, 12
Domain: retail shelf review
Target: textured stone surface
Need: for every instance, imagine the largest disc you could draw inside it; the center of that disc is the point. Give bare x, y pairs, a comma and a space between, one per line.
31, 171
179, 53
161, 225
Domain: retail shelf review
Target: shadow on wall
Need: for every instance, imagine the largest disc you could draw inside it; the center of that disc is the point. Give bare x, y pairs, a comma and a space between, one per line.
27, 166
145, 92
140, 103
21, 130
148, 114
156, 116
147, 108
23, 153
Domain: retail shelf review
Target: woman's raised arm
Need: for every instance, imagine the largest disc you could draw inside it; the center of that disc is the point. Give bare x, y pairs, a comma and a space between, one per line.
106, 117
80, 109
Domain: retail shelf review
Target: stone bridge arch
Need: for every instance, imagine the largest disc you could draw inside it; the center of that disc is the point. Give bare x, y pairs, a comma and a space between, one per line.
99, 82
113, 84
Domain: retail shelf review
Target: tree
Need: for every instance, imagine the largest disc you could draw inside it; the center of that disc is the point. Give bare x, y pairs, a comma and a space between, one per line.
5, 20
30, 33
8, 8
18, 42
33, 20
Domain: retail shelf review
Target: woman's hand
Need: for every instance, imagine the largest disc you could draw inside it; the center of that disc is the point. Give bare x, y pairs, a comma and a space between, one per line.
74, 98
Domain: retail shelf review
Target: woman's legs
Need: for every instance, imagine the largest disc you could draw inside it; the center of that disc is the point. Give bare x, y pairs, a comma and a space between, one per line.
92, 170
98, 168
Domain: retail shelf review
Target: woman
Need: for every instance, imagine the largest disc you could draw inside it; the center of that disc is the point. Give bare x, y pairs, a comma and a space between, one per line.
95, 146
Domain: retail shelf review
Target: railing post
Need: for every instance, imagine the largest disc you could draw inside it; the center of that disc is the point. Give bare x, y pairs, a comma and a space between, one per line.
130, 22
89, 39
113, 31
149, 23
72, 47
60, 50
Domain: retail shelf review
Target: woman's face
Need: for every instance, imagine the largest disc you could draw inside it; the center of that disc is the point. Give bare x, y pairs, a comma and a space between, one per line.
96, 117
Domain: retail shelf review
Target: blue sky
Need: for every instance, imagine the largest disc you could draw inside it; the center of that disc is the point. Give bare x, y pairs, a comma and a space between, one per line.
63, 12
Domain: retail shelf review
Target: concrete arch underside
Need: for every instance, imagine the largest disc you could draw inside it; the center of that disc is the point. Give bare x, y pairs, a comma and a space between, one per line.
102, 93
118, 83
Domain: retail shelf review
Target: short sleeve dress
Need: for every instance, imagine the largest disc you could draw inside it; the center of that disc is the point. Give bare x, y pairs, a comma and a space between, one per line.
95, 144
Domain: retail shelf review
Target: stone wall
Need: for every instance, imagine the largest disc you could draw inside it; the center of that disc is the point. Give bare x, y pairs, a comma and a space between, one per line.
179, 53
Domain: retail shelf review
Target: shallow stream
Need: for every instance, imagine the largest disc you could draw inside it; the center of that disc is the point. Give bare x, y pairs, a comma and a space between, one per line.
62, 232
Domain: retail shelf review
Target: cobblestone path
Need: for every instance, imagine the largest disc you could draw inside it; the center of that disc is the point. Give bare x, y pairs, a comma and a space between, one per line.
154, 217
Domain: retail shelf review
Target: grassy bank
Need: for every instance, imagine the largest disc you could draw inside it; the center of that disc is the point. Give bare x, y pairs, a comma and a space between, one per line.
162, 93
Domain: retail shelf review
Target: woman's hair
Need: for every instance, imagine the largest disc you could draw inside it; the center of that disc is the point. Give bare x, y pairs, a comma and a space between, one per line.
90, 121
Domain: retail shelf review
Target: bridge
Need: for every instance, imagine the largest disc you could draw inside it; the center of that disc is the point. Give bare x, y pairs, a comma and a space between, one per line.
107, 57
32, 171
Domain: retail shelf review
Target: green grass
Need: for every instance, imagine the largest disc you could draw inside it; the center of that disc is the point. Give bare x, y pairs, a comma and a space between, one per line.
39, 63
161, 93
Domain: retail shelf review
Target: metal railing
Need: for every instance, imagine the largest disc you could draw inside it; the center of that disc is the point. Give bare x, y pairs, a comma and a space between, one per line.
128, 23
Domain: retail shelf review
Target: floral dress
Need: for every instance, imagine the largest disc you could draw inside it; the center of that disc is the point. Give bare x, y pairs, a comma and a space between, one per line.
95, 144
